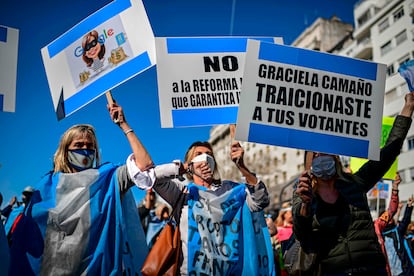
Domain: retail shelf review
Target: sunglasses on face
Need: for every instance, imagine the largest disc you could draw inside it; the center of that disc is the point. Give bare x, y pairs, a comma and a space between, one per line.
90, 45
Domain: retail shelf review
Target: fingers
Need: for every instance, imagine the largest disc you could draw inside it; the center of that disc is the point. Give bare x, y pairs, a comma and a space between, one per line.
116, 113
236, 151
203, 169
304, 188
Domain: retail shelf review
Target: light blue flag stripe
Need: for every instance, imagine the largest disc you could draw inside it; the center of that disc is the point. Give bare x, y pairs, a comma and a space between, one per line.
204, 116
86, 25
190, 45
294, 138
318, 60
106, 82
3, 34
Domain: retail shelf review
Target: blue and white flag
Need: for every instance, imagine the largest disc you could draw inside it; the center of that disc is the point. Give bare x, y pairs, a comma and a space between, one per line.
224, 237
406, 70
86, 227
9, 40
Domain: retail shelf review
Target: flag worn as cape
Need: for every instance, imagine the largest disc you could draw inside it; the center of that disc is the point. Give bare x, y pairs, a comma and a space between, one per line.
225, 237
86, 227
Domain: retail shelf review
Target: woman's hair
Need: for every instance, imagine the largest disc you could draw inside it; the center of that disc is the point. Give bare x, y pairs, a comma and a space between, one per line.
60, 158
286, 207
85, 41
189, 155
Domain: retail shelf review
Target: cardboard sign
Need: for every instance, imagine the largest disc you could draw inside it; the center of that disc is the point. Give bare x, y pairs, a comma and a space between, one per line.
200, 78
9, 39
107, 48
310, 100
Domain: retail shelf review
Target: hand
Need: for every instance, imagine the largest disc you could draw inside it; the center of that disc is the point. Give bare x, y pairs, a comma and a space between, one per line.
304, 188
116, 112
408, 107
237, 153
397, 181
12, 201
203, 170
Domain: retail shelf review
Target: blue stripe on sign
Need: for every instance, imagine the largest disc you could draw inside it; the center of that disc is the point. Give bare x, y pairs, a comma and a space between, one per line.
318, 60
87, 25
308, 140
3, 34
1, 102
179, 45
106, 82
204, 116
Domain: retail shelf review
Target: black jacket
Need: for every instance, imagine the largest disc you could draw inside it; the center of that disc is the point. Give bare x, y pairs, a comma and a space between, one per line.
343, 233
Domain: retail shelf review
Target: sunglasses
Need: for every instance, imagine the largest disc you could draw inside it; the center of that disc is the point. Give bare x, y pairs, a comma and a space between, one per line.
90, 45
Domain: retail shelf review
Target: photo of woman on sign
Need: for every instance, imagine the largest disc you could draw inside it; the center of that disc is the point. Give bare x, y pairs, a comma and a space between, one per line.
93, 51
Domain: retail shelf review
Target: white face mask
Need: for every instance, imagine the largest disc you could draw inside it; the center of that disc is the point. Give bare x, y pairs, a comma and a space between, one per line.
205, 157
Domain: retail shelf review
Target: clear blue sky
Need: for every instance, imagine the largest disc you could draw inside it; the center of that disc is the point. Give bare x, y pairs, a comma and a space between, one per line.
29, 136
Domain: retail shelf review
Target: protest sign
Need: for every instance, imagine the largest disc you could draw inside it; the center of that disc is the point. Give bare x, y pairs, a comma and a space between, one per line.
311, 100
199, 79
356, 163
107, 48
9, 38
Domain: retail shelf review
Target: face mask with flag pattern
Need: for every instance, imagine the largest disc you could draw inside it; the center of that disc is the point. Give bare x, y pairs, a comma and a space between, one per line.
81, 159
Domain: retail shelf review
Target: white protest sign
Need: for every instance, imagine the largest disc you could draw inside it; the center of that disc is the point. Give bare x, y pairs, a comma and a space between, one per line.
311, 100
199, 79
107, 48
9, 38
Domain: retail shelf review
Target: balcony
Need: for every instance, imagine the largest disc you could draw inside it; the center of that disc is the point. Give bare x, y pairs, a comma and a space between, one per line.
363, 49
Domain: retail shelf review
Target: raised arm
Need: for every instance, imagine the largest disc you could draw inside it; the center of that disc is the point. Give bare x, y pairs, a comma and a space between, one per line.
237, 156
141, 156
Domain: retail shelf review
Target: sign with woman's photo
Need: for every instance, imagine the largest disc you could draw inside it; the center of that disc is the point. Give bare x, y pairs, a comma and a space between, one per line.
105, 49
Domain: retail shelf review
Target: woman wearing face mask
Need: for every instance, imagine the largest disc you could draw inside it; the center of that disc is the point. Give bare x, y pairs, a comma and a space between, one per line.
331, 215
210, 212
85, 213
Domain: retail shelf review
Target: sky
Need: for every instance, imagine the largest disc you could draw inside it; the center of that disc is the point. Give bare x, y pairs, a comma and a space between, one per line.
30, 135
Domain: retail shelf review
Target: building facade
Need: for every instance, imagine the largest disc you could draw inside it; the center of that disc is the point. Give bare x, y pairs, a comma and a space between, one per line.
384, 33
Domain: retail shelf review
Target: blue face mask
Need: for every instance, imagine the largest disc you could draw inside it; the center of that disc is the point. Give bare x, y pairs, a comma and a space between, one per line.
81, 159
324, 167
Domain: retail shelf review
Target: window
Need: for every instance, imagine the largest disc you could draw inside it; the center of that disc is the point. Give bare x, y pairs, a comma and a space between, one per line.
412, 173
390, 70
383, 25
364, 18
401, 37
398, 14
411, 143
386, 48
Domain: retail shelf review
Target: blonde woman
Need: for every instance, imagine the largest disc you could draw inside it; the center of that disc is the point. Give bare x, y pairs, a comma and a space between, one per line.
86, 215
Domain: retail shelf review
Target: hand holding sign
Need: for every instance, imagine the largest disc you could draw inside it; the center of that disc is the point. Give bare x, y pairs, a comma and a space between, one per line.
111, 101
235, 152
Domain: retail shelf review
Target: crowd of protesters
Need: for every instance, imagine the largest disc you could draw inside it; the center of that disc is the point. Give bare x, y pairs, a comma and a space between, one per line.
81, 218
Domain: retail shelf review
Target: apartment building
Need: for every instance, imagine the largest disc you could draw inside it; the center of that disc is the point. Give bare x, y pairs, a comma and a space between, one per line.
384, 33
